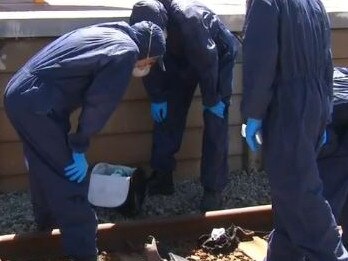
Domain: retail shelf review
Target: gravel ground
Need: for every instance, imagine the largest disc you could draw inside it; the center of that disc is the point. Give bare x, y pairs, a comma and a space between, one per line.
244, 189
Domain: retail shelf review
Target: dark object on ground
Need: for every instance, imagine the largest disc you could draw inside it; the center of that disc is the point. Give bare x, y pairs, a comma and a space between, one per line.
227, 241
136, 195
160, 183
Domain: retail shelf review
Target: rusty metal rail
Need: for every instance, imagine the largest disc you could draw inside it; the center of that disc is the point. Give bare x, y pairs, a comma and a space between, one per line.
112, 237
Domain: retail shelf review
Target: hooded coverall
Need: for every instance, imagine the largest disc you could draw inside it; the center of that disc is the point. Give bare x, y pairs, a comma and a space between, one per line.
287, 76
88, 68
200, 50
333, 158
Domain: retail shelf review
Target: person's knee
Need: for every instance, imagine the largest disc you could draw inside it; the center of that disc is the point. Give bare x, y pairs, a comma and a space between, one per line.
74, 209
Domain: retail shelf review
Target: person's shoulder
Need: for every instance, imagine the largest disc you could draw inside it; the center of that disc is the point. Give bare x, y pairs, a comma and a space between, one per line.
187, 13
121, 43
124, 36
194, 8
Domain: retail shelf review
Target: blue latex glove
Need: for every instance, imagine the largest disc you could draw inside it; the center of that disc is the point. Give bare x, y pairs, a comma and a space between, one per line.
159, 111
253, 126
78, 170
324, 139
218, 109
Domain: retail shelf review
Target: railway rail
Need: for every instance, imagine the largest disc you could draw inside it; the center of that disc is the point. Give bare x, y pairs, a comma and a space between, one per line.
115, 237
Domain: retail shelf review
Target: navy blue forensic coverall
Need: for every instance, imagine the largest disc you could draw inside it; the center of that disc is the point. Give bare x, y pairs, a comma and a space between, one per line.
200, 50
287, 72
333, 158
88, 68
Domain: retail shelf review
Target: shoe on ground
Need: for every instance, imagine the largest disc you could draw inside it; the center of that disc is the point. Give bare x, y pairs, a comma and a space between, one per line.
211, 200
160, 183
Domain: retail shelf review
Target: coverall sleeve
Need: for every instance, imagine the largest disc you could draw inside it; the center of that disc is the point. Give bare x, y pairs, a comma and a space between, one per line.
329, 82
260, 55
328, 64
155, 84
202, 54
101, 99
226, 65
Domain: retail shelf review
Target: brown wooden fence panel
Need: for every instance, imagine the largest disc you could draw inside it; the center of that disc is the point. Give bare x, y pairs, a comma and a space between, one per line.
121, 149
340, 43
19, 51
126, 139
186, 169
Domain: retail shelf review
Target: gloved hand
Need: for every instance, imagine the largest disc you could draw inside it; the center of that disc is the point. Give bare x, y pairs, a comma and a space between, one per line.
78, 170
159, 111
323, 139
217, 109
252, 128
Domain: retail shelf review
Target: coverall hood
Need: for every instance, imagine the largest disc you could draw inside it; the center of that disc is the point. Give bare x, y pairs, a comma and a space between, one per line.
145, 31
149, 10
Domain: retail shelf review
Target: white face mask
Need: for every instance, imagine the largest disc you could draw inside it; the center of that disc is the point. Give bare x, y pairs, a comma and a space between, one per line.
137, 72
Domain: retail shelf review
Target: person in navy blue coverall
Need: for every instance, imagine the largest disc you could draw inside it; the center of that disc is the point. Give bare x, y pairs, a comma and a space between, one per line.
200, 50
333, 157
287, 77
88, 68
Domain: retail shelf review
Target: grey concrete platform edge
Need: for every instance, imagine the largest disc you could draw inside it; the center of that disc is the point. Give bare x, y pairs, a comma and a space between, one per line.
55, 23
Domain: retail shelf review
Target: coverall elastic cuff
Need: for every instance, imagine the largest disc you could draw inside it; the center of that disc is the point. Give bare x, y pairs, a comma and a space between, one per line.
158, 100
211, 102
253, 115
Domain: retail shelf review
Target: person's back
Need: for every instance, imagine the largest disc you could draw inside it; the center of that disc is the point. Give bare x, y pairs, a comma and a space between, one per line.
196, 40
306, 55
296, 49
68, 65
187, 14
76, 49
